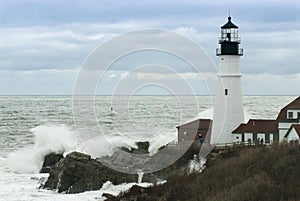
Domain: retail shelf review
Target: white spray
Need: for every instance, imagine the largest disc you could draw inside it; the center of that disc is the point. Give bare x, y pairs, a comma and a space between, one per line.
140, 176
196, 165
48, 139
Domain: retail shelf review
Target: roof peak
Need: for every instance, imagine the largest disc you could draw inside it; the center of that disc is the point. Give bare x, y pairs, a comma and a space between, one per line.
229, 24
293, 104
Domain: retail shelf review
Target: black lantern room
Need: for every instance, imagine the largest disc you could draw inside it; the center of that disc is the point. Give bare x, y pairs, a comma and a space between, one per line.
229, 40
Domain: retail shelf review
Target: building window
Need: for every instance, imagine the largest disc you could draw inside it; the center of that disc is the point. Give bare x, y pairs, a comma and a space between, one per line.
226, 92
298, 115
290, 115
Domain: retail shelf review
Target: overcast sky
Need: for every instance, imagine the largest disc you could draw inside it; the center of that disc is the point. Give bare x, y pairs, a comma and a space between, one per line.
43, 43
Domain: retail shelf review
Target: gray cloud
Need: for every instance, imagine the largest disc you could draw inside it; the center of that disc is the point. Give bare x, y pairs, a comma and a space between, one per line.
37, 82
58, 36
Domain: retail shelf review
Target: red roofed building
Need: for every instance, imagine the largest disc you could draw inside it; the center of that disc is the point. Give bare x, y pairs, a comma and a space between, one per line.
290, 111
287, 116
256, 129
284, 127
190, 131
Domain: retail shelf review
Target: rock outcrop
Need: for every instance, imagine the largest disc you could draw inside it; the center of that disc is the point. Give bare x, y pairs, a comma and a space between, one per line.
78, 172
142, 148
49, 161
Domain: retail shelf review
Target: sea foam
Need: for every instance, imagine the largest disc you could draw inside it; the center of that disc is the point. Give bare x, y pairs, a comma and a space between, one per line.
48, 139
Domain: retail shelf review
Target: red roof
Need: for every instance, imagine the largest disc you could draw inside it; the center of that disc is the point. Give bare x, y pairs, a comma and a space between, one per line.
296, 127
257, 126
295, 104
202, 123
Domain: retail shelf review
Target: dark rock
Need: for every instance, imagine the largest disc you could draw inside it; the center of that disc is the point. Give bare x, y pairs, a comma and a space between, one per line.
137, 193
78, 172
142, 148
49, 161
107, 195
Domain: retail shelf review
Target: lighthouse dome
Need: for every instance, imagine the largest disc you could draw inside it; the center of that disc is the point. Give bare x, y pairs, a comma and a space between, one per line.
229, 24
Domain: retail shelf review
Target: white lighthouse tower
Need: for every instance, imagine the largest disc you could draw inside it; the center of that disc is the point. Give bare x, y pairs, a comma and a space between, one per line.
228, 105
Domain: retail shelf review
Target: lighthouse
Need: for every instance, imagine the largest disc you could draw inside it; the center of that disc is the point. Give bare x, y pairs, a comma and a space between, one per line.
228, 104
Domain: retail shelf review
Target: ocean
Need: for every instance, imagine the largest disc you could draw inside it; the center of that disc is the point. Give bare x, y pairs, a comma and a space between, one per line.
33, 126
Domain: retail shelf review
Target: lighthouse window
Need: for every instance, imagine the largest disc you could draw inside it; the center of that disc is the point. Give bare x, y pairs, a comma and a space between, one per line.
226, 92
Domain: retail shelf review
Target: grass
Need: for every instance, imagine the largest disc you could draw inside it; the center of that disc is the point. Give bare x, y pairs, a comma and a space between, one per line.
267, 173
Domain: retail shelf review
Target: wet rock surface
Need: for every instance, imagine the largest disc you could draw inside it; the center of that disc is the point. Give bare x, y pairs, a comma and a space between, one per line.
78, 172
49, 161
